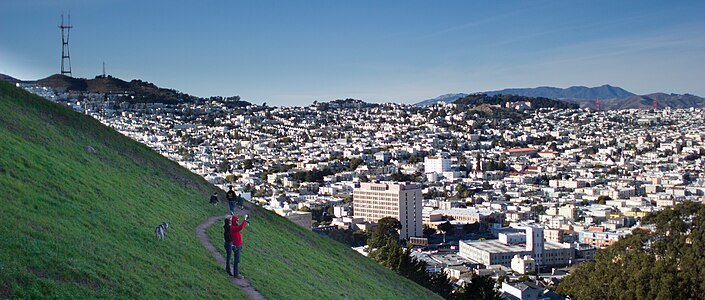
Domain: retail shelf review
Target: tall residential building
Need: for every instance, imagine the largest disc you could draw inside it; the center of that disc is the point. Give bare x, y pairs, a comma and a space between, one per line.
437, 164
402, 201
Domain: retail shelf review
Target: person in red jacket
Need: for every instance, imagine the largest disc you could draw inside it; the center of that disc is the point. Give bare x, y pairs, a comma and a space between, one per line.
237, 243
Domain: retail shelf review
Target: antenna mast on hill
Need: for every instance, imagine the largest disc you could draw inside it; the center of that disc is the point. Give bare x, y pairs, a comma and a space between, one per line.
597, 104
655, 104
103, 69
65, 56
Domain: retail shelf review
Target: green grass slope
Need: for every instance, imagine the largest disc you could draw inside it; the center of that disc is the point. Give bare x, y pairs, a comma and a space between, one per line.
81, 225
76, 224
286, 261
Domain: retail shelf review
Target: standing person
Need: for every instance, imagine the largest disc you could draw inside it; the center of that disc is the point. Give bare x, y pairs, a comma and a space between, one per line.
214, 199
237, 243
228, 245
231, 197
240, 201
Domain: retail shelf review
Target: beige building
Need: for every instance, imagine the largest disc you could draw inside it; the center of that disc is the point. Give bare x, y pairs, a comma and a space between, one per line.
523, 265
402, 201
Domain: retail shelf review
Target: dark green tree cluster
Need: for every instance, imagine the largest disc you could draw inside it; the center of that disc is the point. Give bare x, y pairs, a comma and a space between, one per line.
387, 250
399, 176
394, 256
480, 287
496, 166
536, 102
355, 162
666, 263
314, 175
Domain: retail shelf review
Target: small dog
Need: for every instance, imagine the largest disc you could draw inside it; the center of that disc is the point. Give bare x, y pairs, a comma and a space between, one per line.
160, 231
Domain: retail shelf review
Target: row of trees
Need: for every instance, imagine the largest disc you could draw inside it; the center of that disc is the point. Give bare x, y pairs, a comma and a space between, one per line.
385, 248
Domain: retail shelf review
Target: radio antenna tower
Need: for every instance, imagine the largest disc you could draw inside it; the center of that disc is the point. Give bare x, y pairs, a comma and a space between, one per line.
655, 104
597, 104
65, 55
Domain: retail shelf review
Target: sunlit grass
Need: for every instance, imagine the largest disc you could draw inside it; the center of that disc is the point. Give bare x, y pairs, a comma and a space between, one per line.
285, 261
74, 224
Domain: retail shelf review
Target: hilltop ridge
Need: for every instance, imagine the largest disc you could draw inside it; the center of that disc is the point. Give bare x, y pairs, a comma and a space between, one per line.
134, 90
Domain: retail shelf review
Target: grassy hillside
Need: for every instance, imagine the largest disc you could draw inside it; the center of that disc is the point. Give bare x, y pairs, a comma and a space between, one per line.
80, 224
286, 261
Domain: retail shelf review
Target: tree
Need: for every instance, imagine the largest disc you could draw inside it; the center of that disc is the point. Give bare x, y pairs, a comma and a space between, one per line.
355, 162
231, 178
399, 259
480, 287
485, 186
428, 231
387, 228
223, 166
445, 228
603, 199
666, 263
471, 227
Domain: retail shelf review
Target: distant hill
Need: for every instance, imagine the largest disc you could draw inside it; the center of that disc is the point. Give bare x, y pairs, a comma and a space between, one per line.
141, 90
574, 92
536, 102
447, 98
645, 102
80, 203
9, 79
611, 97
344, 103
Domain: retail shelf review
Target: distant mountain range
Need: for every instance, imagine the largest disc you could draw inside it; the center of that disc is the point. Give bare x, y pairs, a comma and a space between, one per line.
574, 92
611, 97
645, 102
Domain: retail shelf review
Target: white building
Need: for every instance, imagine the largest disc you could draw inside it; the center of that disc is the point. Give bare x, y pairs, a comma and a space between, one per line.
374, 201
436, 164
502, 250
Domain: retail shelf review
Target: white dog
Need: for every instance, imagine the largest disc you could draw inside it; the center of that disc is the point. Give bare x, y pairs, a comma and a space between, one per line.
160, 231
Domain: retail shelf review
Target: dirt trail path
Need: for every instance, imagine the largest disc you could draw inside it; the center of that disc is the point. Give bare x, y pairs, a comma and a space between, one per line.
244, 284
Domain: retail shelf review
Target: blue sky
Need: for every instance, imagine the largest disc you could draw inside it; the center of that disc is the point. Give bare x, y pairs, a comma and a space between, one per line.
295, 52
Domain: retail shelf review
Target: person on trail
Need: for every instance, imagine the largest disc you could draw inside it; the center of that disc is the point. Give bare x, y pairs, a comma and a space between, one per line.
228, 245
240, 201
214, 199
232, 197
237, 243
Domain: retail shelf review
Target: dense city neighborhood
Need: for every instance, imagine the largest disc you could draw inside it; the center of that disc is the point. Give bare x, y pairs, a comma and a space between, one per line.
506, 190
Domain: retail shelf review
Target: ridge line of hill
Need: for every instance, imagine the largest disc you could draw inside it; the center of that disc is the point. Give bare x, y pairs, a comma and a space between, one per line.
611, 97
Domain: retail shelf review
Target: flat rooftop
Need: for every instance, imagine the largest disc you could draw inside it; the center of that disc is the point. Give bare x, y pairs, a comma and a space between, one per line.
496, 246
